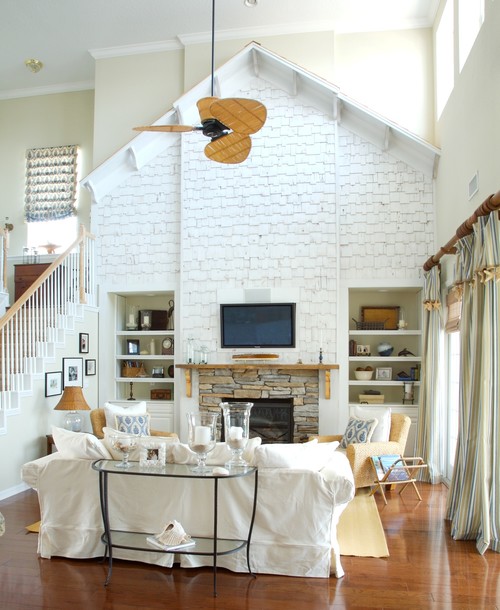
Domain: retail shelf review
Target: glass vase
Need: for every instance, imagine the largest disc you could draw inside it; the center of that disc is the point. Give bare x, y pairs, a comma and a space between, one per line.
202, 436
236, 431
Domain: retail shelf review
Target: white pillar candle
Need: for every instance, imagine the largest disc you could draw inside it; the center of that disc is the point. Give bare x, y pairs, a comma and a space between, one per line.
201, 435
235, 433
131, 318
146, 319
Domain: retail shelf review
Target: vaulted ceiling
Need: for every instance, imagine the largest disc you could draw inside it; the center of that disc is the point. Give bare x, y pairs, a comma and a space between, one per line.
67, 36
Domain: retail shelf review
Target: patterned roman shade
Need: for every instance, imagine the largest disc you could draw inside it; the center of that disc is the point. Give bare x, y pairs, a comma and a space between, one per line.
51, 181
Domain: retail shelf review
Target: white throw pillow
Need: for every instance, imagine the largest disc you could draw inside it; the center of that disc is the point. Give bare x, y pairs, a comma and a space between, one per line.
383, 414
79, 445
307, 456
111, 411
135, 453
358, 431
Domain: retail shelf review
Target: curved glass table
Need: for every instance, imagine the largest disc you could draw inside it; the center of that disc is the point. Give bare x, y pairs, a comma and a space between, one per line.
213, 546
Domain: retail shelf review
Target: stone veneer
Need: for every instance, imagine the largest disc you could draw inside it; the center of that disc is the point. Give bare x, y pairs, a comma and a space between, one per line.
302, 386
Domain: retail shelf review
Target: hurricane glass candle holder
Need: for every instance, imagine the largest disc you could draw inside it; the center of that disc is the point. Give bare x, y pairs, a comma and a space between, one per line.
236, 431
202, 436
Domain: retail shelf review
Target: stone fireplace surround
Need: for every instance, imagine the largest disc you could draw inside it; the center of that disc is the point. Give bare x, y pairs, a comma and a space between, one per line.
252, 383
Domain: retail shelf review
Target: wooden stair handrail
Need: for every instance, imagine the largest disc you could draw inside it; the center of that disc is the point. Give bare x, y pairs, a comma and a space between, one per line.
83, 233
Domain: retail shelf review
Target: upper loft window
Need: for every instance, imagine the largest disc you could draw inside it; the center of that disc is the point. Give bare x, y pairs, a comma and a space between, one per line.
444, 57
51, 196
470, 20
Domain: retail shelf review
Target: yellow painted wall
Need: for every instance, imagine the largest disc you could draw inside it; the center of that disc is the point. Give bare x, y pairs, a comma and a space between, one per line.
33, 122
468, 132
131, 91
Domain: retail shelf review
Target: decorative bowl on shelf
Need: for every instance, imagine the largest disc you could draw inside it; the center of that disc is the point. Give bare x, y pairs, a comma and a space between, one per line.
363, 375
385, 349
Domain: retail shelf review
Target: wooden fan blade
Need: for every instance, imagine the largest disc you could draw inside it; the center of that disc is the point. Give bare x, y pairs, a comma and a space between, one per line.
239, 114
166, 128
204, 107
233, 148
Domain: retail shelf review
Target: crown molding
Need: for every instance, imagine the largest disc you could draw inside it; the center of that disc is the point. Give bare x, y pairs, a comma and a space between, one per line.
47, 90
136, 49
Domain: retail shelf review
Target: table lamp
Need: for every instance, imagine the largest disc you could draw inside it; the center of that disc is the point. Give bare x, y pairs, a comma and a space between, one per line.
72, 401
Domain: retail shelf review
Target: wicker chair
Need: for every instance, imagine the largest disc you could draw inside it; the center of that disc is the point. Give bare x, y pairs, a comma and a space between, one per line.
359, 454
98, 421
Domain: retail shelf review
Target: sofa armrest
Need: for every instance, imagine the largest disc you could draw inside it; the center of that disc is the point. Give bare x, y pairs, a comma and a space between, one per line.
359, 455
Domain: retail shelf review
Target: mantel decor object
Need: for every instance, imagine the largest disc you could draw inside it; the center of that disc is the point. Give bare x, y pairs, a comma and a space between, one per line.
236, 432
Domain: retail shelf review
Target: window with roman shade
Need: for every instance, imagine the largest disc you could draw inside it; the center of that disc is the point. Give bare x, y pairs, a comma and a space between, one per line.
51, 183
454, 308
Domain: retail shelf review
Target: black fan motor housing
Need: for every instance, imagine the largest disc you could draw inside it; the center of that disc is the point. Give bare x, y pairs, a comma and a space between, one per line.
212, 128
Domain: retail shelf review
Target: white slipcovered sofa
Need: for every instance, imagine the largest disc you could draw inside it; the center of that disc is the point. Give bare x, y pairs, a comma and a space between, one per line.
295, 524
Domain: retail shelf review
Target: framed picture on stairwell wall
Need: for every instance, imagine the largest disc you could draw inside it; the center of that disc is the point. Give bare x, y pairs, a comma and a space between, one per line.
53, 383
73, 372
84, 343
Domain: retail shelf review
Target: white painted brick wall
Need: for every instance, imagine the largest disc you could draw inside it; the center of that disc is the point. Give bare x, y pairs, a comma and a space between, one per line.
271, 222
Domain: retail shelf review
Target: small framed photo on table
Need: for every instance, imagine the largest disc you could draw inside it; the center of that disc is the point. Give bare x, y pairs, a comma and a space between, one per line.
383, 374
53, 383
152, 453
73, 372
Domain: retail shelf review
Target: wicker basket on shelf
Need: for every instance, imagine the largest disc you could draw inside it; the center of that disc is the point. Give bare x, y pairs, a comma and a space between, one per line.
369, 325
133, 371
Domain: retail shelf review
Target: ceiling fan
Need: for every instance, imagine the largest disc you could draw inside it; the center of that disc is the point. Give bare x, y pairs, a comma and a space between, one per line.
228, 122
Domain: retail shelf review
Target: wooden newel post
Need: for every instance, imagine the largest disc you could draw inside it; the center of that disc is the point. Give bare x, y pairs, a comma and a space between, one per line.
5, 247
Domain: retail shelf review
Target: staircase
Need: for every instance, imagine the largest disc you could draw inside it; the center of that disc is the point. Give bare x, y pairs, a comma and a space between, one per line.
38, 322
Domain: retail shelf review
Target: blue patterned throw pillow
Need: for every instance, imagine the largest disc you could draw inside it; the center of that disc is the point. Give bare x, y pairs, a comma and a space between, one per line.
133, 424
358, 431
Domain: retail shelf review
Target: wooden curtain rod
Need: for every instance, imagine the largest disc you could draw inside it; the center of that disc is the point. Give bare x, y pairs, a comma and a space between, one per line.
489, 205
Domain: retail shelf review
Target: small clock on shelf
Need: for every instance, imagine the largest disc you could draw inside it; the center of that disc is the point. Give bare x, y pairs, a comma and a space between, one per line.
167, 346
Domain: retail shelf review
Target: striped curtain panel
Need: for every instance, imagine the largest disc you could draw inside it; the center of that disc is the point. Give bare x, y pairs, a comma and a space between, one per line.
473, 501
429, 445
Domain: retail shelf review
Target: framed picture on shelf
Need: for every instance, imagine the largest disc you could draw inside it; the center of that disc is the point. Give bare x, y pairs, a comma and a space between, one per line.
53, 383
90, 367
133, 347
73, 372
383, 373
363, 350
84, 343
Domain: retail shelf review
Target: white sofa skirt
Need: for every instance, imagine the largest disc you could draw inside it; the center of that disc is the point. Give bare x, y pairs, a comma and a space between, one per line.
295, 524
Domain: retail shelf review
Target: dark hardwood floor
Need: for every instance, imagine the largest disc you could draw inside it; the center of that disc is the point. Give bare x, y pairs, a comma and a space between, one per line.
426, 569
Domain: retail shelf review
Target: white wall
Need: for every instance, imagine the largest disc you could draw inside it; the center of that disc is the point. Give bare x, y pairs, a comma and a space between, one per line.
333, 206
24, 439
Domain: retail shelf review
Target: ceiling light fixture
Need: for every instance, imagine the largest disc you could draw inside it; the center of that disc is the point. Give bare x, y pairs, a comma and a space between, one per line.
35, 65
250, 2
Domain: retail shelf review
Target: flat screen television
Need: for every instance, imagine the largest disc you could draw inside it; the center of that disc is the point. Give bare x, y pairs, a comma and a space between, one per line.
257, 325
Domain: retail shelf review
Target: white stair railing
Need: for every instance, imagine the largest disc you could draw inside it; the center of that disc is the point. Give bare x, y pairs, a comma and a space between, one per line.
32, 326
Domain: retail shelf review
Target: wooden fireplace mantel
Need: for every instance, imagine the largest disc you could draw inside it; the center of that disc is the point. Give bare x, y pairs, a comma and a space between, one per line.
188, 368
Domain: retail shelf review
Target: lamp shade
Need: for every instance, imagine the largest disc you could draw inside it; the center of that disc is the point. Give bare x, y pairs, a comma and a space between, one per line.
72, 400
